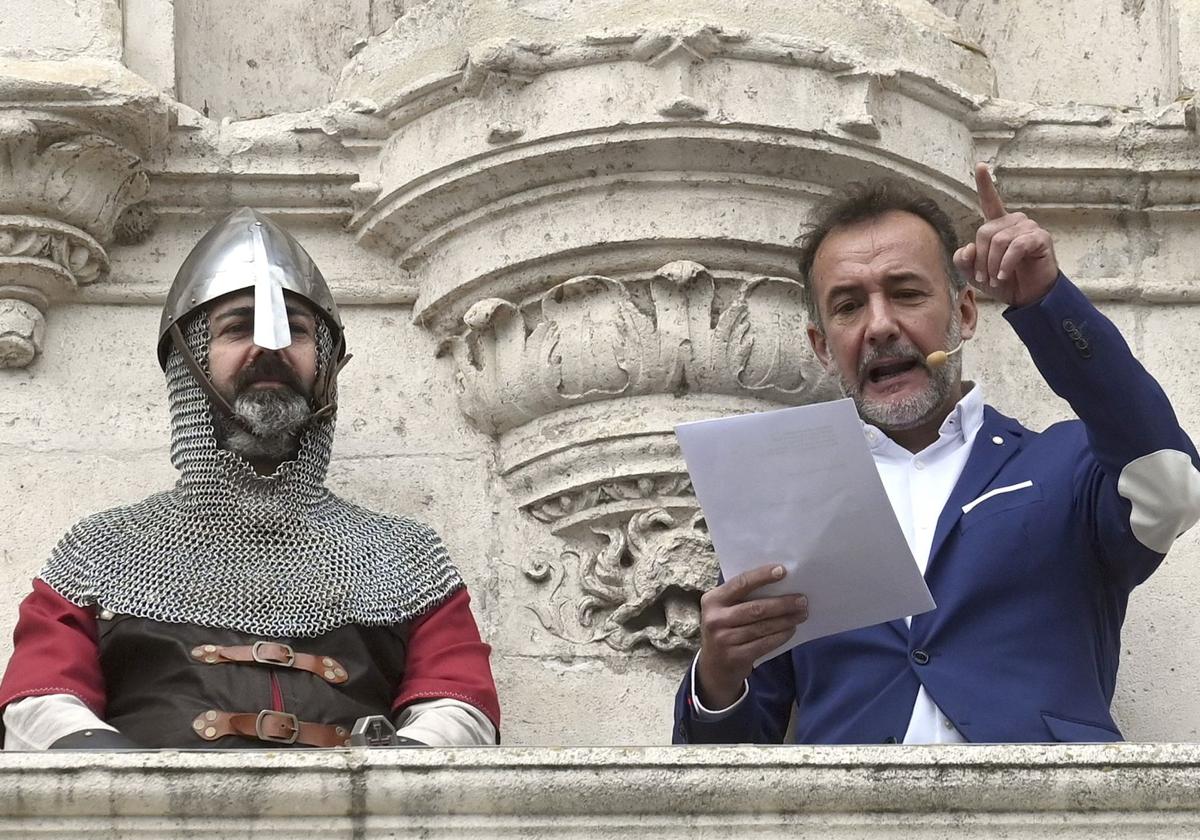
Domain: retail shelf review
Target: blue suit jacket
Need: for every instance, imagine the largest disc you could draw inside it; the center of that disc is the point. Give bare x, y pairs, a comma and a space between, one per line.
1031, 585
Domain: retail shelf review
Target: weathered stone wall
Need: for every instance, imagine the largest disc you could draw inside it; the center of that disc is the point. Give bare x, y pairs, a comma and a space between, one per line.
1119, 53
455, 166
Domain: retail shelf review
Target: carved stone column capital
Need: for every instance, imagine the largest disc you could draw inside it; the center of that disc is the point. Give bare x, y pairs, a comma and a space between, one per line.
63, 187
582, 387
597, 204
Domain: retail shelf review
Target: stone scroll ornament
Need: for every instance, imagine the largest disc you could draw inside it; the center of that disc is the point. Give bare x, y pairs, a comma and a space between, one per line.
638, 555
645, 582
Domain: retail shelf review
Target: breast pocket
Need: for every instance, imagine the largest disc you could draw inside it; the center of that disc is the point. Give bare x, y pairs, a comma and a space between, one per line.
1006, 498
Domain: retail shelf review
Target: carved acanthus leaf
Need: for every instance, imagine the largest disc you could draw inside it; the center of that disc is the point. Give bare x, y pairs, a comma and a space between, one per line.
591, 341
592, 334
760, 329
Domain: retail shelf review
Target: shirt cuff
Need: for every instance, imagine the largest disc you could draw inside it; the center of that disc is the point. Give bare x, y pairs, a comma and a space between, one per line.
34, 723
446, 722
705, 715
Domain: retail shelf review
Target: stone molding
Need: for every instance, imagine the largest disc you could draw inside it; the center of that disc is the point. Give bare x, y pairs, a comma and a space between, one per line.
1093, 164
700, 128
494, 64
1097, 792
398, 68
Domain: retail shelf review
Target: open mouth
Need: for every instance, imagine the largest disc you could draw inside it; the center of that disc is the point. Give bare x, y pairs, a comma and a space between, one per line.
882, 371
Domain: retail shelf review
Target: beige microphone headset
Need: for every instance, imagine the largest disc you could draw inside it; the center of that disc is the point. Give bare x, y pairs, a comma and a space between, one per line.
939, 357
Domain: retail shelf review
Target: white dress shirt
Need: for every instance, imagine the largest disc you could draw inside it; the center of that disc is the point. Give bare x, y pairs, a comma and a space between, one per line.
918, 486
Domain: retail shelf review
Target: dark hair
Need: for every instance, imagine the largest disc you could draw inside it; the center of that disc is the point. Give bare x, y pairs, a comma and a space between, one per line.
860, 201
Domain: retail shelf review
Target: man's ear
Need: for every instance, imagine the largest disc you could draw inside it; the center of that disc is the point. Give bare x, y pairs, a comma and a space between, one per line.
968, 310
820, 347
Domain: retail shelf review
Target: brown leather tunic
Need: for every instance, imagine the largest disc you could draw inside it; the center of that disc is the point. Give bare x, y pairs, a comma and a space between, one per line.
163, 684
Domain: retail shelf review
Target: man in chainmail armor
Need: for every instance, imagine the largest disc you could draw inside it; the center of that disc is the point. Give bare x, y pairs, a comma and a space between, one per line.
248, 606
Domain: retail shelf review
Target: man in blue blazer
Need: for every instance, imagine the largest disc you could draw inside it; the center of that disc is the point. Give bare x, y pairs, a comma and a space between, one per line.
1029, 542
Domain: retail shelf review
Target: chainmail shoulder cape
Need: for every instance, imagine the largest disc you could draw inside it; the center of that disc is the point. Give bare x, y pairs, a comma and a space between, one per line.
277, 555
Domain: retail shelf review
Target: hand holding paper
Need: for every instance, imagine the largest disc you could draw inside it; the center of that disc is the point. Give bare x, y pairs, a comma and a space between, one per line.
797, 488
735, 632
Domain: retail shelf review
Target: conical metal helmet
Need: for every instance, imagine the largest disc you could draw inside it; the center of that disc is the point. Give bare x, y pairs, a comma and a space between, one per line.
246, 250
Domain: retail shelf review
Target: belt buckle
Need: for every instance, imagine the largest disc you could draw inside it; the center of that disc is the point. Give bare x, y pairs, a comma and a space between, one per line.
291, 720
257, 656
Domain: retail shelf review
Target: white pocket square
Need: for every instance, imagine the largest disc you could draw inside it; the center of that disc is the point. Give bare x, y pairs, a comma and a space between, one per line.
996, 491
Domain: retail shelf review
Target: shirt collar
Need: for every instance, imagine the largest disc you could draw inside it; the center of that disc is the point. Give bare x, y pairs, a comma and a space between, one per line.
961, 425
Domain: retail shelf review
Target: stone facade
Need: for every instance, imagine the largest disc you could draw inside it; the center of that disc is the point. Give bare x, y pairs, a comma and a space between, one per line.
558, 229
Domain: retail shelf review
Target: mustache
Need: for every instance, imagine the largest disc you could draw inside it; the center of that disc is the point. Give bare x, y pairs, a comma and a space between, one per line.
269, 368
891, 350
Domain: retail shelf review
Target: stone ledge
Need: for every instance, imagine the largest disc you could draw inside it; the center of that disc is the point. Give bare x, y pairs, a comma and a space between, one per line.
1092, 791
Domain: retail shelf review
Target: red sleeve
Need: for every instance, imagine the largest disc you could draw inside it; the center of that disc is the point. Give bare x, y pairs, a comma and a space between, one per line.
55, 651
446, 658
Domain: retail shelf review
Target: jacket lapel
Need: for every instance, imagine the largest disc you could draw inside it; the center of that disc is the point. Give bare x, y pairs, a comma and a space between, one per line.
986, 458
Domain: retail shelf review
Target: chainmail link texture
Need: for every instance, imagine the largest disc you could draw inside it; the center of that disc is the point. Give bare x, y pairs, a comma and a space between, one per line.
276, 555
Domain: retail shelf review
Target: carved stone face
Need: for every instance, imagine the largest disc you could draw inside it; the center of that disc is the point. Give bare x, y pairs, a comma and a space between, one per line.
886, 303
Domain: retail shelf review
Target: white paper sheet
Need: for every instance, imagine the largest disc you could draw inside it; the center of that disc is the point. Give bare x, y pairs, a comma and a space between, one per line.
798, 487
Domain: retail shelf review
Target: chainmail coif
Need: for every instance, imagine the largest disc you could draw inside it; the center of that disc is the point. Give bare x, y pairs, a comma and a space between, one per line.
277, 555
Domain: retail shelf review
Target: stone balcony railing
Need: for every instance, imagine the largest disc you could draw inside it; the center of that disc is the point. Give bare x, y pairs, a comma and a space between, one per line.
1097, 792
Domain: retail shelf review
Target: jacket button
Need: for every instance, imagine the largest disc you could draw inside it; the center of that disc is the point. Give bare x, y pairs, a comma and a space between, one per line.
891, 739
1068, 325
920, 657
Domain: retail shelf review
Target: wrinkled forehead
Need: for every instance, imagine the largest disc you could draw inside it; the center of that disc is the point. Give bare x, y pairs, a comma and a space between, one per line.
894, 245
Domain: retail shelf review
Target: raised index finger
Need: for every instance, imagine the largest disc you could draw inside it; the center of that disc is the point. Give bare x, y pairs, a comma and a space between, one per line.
989, 196
741, 586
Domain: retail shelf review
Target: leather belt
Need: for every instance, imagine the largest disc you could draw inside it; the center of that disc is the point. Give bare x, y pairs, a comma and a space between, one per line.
271, 726
273, 653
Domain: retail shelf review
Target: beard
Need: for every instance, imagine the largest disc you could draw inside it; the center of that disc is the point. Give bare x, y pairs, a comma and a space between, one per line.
267, 422
914, 409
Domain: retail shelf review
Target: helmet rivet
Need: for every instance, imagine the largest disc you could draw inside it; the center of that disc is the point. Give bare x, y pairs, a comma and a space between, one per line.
193, 300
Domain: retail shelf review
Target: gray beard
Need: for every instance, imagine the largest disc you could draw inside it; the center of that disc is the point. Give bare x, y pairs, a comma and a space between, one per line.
915, 409
271, 422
